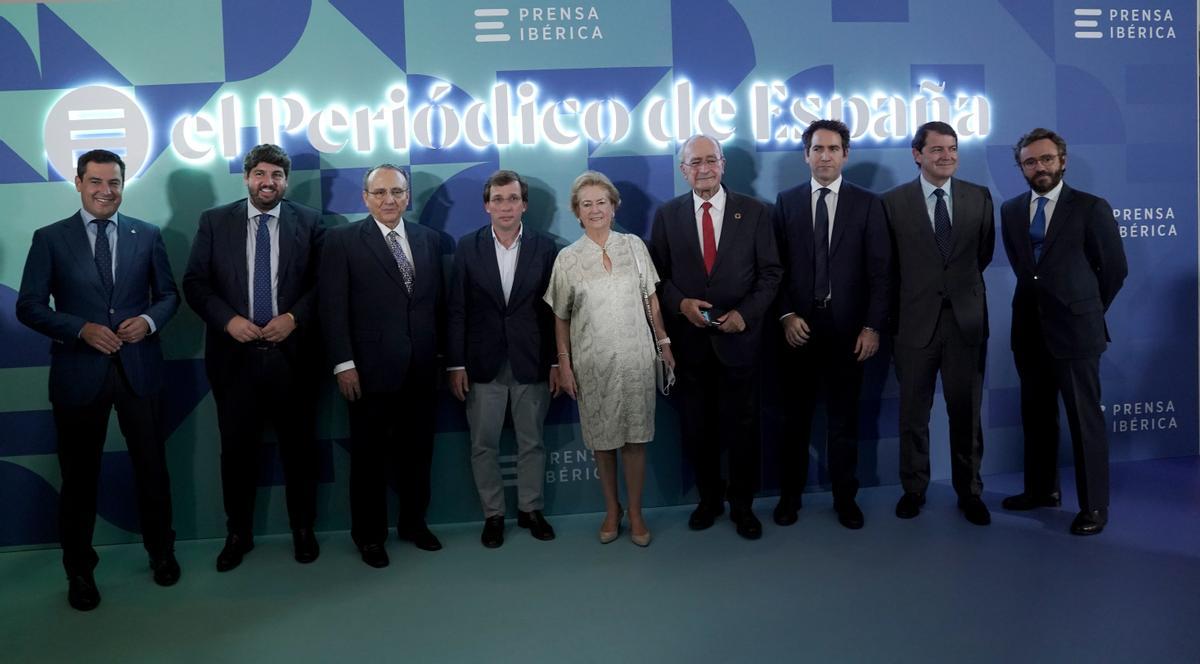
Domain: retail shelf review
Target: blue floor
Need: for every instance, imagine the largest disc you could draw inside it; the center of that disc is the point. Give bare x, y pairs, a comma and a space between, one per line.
934, 589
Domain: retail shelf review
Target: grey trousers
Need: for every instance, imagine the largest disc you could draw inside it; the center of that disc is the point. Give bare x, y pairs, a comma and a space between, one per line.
486, 406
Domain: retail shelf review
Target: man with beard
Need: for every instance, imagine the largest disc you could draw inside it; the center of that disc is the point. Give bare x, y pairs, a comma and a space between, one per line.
252, 278
1066, 251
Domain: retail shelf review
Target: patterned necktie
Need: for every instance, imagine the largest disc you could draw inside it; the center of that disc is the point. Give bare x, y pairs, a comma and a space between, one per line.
262, 272
103, 255
402, 262
821, 249
941, 224
1037, 228
710, 238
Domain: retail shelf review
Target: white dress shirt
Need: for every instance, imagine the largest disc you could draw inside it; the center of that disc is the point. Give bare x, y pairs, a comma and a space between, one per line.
717, 212
931, 201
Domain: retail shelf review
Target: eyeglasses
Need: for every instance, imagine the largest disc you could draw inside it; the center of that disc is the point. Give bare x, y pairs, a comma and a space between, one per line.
382, 193
697, 163
1044, 160
514, 199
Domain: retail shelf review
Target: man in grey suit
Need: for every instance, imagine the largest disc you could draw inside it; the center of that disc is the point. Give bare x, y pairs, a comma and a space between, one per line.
501, 350
943, 235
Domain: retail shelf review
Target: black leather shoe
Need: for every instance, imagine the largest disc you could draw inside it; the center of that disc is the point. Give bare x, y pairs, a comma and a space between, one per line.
166, 569
705, 515
849, 514
493, 532
1089, 522
976, 512
374, 555
231, 555
304, 543
420, 535
82, 593
910, 505
536, 522
1028, 501
785, 510
748, 525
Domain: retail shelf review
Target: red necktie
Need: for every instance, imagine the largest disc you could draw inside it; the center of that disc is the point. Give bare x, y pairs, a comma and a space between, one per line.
710, 238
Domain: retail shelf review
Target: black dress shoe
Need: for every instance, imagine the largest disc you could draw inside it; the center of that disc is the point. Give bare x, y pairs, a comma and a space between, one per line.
493, 532
166, 569
705, 515
748, 525
231, 555
976, 512
304, 543
1028, 501
536, 522
1089, 522
82, 593
848, 513
910, 505
420, 535
785, 510
374, 555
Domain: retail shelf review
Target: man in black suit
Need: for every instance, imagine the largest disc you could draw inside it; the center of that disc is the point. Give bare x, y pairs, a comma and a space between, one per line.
833, 241
1065, 248
252, 278
381, 311
943, 234
716, 255
501, 351
113, 291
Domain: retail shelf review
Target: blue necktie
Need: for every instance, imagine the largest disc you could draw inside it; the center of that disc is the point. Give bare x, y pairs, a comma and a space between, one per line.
103, 256
1037, 228
262, 272
821, 249
402, 262
941, 224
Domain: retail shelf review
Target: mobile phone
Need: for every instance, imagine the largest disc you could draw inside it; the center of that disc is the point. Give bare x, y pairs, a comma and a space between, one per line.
710, 317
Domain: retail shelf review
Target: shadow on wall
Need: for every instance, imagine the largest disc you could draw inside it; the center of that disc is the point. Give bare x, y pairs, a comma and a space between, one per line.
189, 193
741, 171
543, 207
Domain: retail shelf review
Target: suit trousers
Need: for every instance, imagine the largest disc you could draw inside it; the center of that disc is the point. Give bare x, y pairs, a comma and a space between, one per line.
391, 434
718, 408
960, 365
487, 404
1043, 379
827, 361
269, 390
81, 433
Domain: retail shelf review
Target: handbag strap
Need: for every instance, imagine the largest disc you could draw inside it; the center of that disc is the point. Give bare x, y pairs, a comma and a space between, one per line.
637, 261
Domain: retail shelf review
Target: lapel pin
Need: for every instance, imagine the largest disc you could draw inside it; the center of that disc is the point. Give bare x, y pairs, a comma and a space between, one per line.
737, 215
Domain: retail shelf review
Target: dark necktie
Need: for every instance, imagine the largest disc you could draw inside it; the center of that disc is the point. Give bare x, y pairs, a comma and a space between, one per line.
1037, 228
262, 272
402, 262
941, 224
103, 256
710, 238
821, 248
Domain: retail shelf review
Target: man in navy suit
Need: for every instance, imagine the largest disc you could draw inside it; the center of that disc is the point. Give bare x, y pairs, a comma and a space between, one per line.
501, 350
833, 241
381, 309
1065, 248
252, 278
113, 291
716, 255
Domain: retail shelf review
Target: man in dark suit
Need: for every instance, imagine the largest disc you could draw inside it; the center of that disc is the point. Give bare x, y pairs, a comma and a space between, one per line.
252, 278
113, 291
1065, 248
716, 255
501, 351
833, 241
381, 311
943, 234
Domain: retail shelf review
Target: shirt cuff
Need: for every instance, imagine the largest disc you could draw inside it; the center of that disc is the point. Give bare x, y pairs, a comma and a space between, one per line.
790, 313
343, 366
456, 368
150, 322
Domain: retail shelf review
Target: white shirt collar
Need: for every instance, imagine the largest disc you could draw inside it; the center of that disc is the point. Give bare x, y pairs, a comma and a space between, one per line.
833, 187
520, 234
253, 212
399, 229
927, 187
88, 218
1053, 194
717, 200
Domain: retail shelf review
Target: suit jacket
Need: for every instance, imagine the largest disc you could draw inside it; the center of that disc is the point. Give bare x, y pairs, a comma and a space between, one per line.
745, 276
860, 257
923, 278
367, 315
1065, 294
61, 265
216, 282
483, 330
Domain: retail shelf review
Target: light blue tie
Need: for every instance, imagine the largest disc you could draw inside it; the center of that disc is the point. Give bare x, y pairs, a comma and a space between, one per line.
1037, 228
262, 272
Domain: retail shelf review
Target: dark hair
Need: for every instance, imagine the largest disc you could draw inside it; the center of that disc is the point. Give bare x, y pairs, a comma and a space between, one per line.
501, 178
272, 154
387, 167
1036, 135
99, 157
836, 126
918, 141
